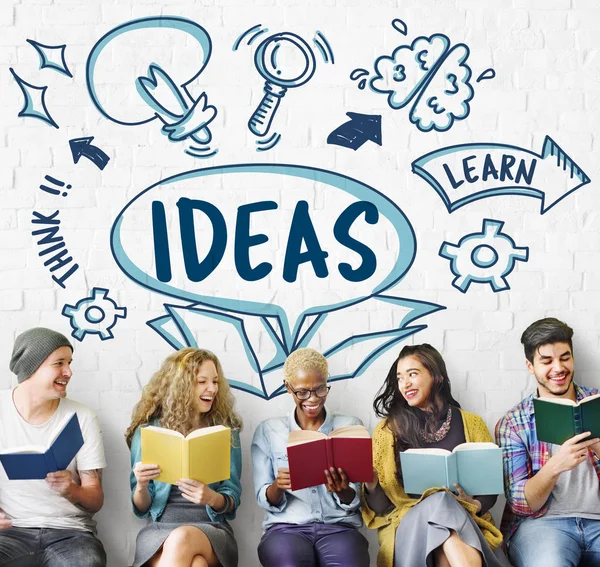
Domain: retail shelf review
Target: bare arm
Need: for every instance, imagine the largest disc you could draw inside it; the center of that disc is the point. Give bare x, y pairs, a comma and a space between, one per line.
89, 495
4, 521
572, 453
278, 487
141, 496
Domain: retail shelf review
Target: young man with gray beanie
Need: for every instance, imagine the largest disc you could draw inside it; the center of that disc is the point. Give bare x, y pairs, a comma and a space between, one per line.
48, 522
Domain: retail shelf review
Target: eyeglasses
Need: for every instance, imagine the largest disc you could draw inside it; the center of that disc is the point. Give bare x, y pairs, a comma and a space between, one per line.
321, 392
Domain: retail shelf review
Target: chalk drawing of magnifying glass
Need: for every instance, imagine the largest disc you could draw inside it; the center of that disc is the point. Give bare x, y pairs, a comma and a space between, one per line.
285, 61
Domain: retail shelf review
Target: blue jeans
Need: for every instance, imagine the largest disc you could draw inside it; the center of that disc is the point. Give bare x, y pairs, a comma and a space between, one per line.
46, 547
556, 542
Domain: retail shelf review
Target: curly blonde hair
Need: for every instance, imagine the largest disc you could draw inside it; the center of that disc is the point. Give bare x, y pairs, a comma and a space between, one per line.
306, 359
169, 396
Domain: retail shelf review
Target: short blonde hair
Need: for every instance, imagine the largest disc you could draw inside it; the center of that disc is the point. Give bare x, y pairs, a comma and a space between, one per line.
306, 359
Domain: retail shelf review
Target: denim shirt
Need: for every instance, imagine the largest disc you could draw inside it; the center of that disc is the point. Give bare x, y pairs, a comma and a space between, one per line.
159, 491
316, 504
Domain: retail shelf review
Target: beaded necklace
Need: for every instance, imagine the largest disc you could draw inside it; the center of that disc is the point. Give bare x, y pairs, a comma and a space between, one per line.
441, 432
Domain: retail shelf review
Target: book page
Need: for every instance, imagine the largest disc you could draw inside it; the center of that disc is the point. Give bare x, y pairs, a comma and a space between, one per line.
561, 401
163, 430
298, 436
38, 449
206, 431
474, 446
442, 452
350, 431
589, 399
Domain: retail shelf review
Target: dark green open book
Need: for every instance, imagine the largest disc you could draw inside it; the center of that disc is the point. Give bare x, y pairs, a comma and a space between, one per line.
559, 419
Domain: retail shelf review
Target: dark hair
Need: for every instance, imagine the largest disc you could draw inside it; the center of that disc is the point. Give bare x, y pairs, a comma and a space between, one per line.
544, 332
403, 419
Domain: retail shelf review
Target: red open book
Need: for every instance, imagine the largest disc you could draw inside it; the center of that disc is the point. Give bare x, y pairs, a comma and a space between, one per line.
311, 452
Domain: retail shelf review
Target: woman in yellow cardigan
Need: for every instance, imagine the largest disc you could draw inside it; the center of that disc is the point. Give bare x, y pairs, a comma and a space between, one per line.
438, 529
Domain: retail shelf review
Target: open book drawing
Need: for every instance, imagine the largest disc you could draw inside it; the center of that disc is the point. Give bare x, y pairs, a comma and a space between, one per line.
311, 452
35, 462
203, 455
475, 467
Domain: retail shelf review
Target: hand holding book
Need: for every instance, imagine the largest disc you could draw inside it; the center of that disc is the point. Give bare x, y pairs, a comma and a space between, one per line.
476, 467
572, 452
36, 462
462, 495
199, 493
312, 453
337, 481
559, 419
145, 473
60, 482
370, 486
202, 455
281, 483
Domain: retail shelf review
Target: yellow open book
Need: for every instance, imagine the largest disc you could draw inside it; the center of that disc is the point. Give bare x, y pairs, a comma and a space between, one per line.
203, 455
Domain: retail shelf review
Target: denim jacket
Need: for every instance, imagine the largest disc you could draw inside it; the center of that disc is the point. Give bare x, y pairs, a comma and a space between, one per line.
316, 504
159, 491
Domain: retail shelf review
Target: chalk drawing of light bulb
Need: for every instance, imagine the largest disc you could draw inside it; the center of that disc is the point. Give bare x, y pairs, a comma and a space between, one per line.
285, 61
141, 71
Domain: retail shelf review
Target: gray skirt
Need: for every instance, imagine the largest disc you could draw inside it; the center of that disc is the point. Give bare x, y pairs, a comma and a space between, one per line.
427, 525
180, 512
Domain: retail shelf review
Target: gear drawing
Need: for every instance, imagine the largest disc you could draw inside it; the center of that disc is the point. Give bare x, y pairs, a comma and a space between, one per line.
96, 315
483, 257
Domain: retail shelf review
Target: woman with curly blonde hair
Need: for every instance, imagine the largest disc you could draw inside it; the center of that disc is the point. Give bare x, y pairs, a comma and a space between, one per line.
188, 526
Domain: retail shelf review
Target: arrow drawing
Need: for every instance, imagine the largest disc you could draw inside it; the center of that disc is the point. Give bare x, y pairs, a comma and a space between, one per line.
82, 147
358, 130
468, 172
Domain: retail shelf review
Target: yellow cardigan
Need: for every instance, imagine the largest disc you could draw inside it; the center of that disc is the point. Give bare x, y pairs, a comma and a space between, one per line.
385, 464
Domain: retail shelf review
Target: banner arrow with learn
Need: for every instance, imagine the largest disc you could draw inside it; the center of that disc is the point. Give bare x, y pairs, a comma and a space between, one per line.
468, 172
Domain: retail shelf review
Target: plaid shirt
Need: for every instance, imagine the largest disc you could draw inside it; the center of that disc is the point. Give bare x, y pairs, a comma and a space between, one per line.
523, 456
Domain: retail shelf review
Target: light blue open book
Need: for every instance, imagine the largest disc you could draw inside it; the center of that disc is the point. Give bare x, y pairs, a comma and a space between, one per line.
475, 467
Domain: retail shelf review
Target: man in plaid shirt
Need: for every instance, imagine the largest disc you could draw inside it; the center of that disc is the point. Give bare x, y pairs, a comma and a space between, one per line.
552, 514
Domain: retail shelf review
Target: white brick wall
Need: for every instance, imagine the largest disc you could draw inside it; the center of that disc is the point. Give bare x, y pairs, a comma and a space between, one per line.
546, 54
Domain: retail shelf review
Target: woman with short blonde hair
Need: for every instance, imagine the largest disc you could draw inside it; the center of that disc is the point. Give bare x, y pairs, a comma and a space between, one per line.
313, 526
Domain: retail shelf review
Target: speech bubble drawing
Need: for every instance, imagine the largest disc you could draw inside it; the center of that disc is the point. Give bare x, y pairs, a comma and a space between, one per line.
280, 241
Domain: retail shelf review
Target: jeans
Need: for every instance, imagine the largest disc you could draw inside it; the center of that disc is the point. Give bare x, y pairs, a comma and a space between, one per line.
313, 545
556, 542
46, 547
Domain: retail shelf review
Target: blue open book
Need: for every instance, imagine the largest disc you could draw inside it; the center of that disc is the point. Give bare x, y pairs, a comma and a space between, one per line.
34, 462
475, 467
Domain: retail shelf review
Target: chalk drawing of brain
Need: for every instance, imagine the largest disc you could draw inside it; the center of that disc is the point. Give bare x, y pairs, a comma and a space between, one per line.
431, 76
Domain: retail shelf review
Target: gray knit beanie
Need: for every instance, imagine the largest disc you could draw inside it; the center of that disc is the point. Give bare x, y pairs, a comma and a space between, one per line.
32, 347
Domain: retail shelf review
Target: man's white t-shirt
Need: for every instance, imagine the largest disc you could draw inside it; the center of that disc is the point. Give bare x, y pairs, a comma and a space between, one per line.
32, 503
